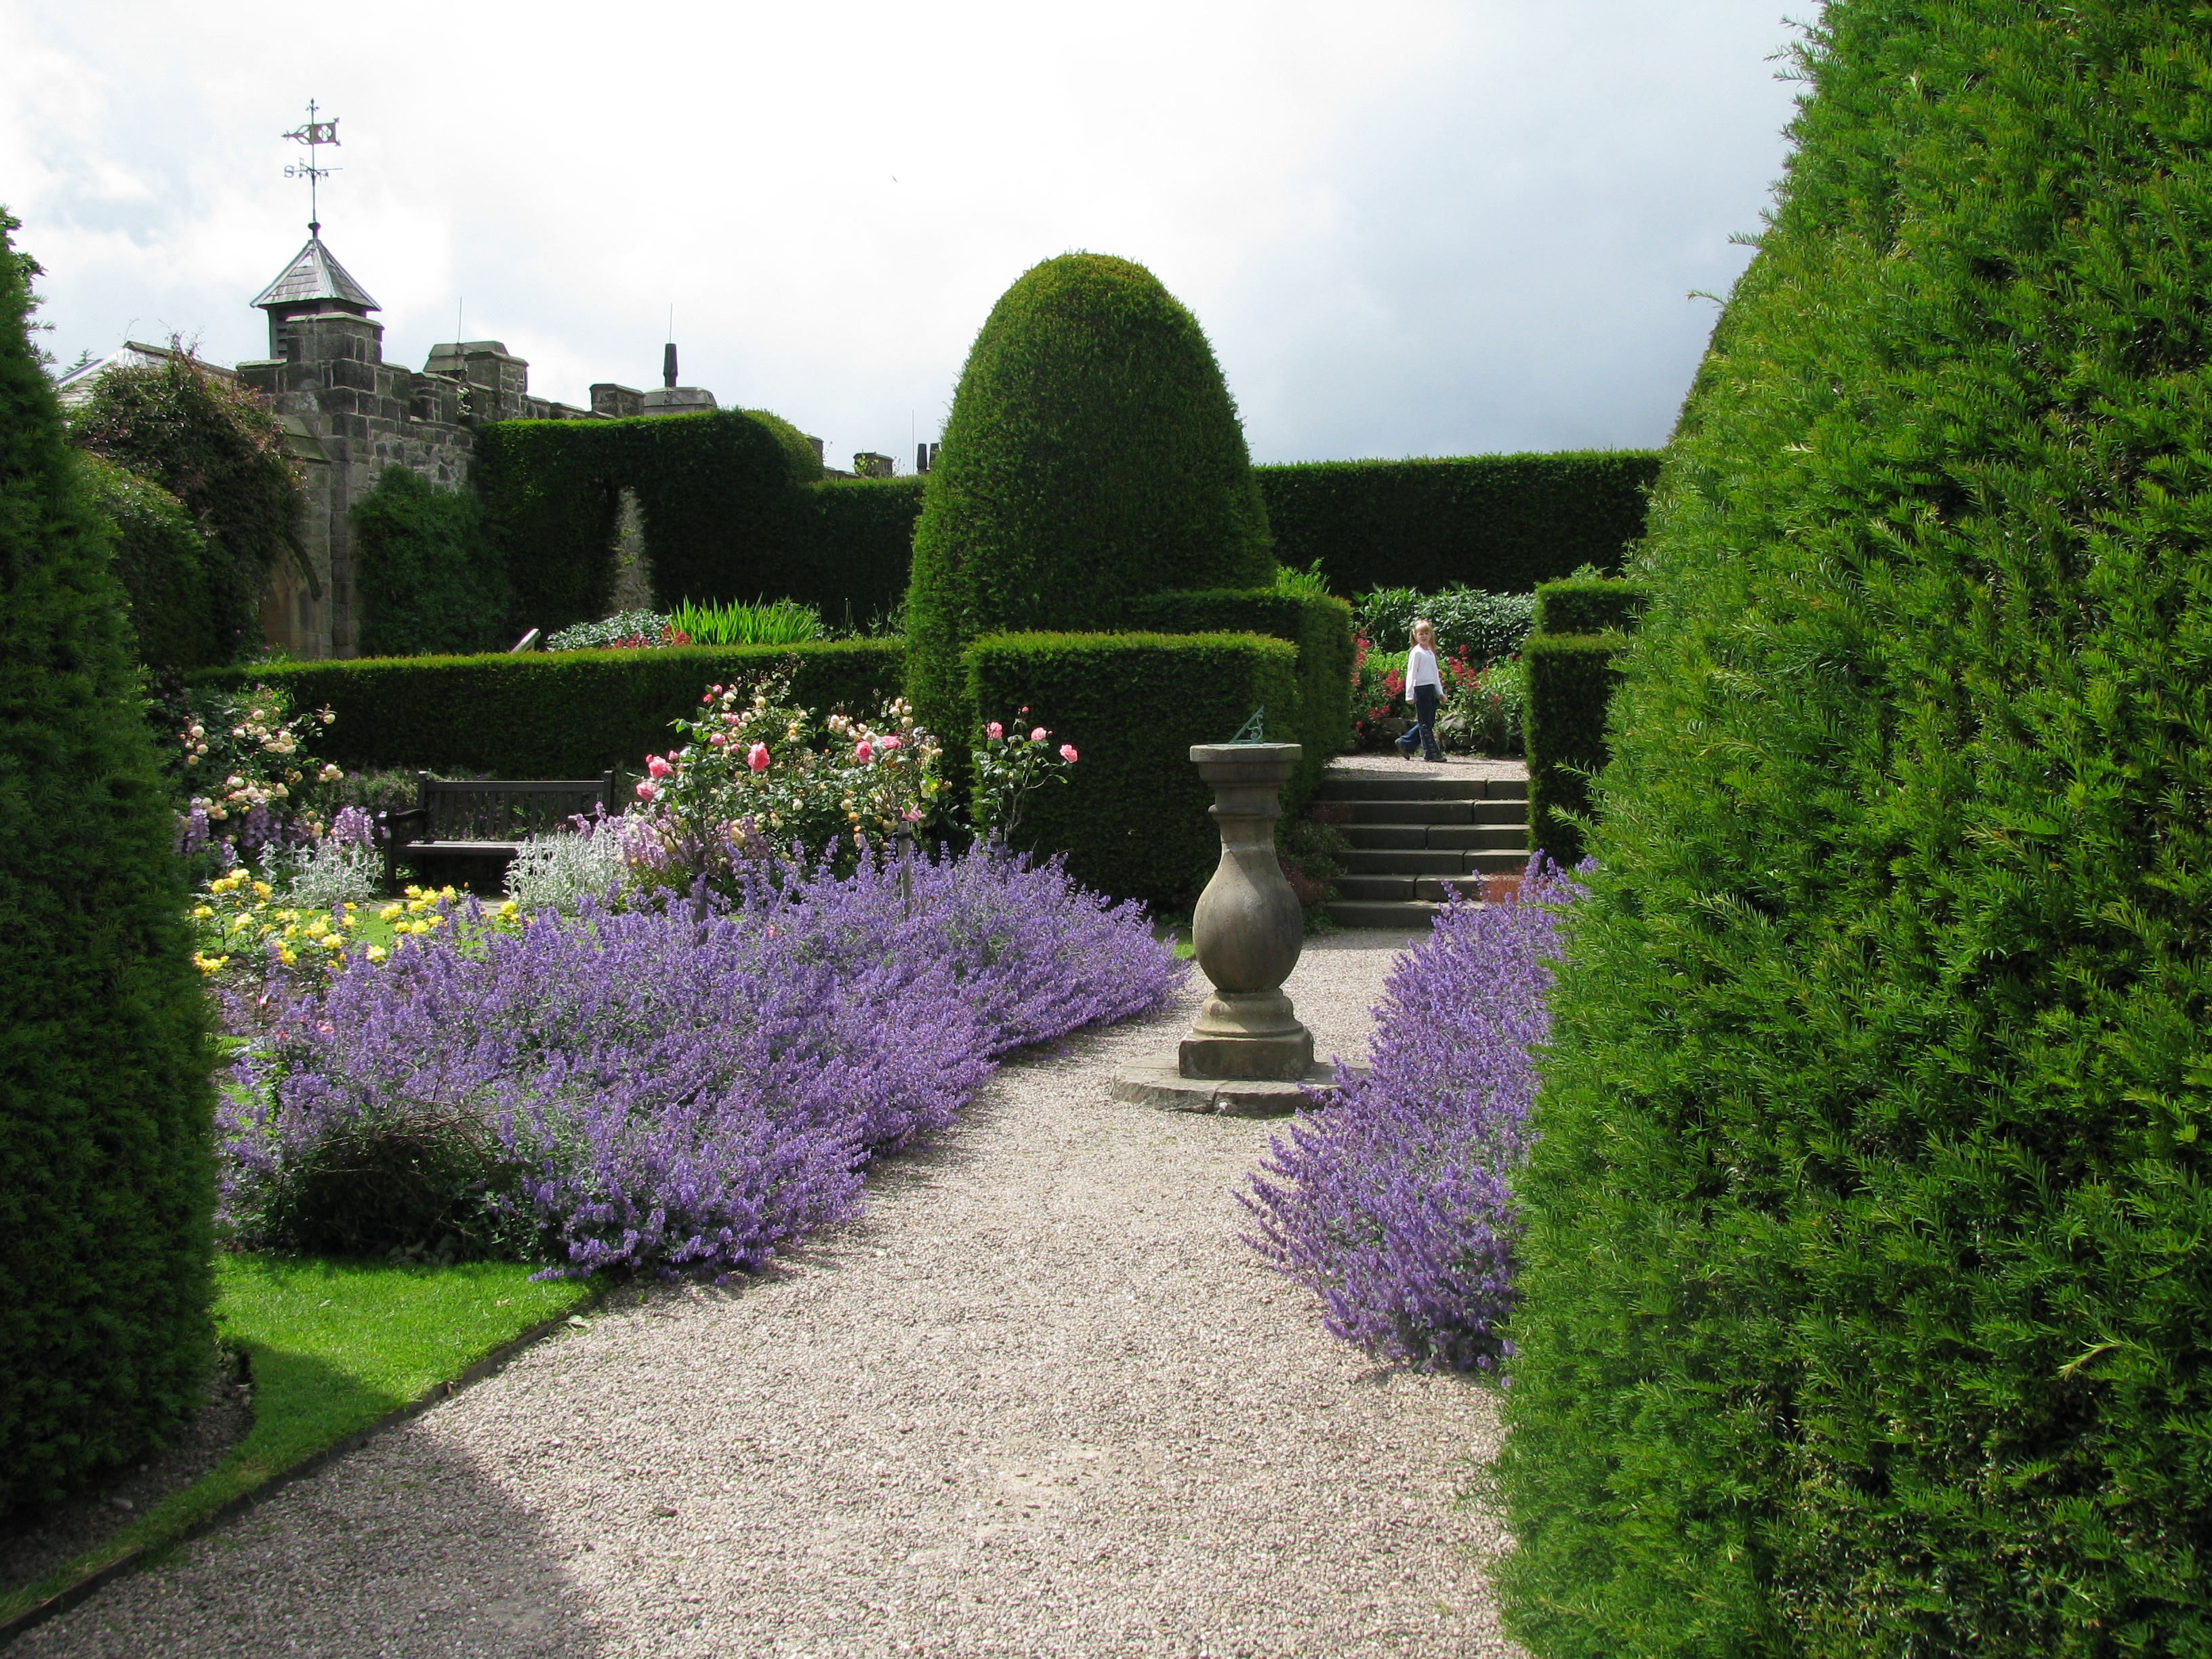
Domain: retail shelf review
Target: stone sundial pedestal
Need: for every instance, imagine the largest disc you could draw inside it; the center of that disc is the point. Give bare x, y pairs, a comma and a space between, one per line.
1247, 1055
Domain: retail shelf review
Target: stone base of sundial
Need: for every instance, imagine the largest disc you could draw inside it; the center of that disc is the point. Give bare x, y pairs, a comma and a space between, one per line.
1248, 1056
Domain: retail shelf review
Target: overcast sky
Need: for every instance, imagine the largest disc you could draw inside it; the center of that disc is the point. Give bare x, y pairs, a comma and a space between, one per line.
1409, 228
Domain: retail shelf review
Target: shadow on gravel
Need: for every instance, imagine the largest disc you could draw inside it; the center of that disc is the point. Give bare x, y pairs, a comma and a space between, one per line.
400, 1550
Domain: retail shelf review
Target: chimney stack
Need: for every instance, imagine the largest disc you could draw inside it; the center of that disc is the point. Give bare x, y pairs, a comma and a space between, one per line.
668, 365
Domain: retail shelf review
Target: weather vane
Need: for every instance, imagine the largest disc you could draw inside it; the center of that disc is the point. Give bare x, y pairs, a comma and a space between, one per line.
312, 132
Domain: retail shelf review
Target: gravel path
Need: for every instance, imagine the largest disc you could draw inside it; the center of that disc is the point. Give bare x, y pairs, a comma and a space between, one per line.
1039, 1402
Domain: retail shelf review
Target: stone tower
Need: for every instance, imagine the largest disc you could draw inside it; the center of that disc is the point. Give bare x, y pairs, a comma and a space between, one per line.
348, 415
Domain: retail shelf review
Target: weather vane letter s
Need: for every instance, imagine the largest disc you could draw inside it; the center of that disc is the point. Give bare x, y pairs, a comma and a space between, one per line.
312, 132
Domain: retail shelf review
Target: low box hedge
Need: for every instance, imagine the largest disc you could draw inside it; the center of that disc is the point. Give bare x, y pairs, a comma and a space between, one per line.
1322, 630
549, 715
1133, 817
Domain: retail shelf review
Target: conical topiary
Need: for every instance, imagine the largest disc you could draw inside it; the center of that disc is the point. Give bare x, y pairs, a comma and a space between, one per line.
1870, 1248
1092, 454
106, 1182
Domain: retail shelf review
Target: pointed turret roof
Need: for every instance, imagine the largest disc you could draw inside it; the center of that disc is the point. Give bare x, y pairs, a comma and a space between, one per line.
314, 274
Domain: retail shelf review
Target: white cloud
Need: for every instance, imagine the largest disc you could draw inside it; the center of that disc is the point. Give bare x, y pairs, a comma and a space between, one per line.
1413, 226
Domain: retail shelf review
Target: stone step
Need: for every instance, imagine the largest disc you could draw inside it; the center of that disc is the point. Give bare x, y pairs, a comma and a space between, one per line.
1429, 889
1471, 835
1406, 916
1403, 861
1411, 812
1389, 785
1458, 837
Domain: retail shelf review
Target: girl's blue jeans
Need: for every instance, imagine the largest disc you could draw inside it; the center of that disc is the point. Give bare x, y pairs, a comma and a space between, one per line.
1424, 724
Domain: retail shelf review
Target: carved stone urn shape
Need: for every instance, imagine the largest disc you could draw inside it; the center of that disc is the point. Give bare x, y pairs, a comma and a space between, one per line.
1249, 928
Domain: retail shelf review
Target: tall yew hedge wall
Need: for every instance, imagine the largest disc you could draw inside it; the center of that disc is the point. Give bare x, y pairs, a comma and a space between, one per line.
720, 497
1501, 523
1870, 1207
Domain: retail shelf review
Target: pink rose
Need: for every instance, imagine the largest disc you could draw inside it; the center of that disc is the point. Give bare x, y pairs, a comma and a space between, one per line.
757, 759
658, 767
862, 753
892, 743
1039, 735
717, 741
994, 730
1068, 753
646, 791
706, 697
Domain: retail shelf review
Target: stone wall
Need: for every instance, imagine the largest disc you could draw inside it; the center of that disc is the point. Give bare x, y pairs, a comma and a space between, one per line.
350, 415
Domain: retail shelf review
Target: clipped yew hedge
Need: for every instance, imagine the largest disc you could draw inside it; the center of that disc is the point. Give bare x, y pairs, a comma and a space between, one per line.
1092, 454
1869, 1245
1133, 817
720, 495
106, 1113
1320, 629
1500, 523
550, 715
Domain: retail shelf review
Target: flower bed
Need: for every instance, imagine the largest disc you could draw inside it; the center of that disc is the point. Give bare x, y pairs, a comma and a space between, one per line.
1392, 1205
683, 1086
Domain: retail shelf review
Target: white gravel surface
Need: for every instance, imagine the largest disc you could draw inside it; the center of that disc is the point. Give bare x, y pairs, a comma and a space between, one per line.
1041, 1401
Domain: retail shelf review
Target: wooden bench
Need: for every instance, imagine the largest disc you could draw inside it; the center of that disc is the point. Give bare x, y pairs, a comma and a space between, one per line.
484, 821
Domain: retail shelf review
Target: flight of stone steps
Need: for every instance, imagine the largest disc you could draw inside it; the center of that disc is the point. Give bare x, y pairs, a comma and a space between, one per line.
1413, 833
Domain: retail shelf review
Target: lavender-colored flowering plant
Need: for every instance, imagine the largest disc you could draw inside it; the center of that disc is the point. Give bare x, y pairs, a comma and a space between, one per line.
1393, 1203
682, 1087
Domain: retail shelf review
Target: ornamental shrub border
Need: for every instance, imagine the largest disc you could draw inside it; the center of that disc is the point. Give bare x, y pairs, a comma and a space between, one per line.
551, 714
1133, 820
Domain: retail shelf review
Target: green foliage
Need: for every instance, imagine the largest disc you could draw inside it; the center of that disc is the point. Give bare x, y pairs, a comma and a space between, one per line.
160, 563
720, 494
1871, 1233
212, 442
545, 714
784, 622
1320, 720
1571, 679
1467, 619
426, 574
803, 464
1569, 671
1133, 820
1092, 455
1500, 522
107, 1168
1590, 604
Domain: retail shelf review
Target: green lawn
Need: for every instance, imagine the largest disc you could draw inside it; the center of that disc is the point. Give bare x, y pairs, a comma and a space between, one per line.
333, 1345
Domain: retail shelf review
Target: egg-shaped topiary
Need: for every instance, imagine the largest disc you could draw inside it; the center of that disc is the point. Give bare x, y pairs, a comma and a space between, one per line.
1092, 454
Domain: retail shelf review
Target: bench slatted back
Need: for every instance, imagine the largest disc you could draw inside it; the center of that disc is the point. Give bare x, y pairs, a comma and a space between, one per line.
506, 809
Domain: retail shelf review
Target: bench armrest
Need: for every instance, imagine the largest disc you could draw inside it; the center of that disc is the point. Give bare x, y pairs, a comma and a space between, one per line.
390, 823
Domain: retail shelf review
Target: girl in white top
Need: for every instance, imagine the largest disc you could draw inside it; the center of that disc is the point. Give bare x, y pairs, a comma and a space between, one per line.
1424, 689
